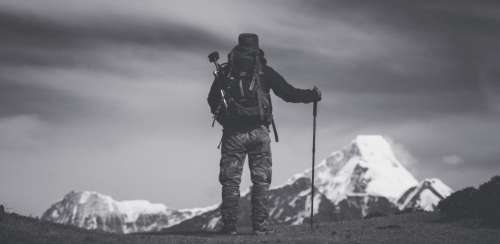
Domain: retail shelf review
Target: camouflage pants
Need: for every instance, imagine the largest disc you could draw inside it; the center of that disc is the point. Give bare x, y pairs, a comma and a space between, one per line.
235, 146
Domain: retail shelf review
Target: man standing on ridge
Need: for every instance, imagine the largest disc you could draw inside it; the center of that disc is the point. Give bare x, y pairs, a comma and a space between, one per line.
240, 100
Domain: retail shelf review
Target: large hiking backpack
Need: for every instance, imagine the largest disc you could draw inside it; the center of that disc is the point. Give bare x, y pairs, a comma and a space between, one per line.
248, 100
247, 97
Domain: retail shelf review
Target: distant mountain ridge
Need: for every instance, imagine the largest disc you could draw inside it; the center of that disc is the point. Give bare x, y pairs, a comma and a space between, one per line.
363, 179
92, 210
425, 196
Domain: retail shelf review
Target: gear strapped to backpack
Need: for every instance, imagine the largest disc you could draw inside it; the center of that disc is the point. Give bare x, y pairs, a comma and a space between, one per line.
248, 102
242, 88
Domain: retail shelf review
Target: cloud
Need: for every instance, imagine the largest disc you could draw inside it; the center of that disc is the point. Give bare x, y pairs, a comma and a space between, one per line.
402, 153
18, 133
490, 86
99, 88
39, 101
453, 159
31, 40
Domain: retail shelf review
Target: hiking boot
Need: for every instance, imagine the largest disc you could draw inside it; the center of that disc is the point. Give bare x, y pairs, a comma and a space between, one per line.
228, 230
263, 229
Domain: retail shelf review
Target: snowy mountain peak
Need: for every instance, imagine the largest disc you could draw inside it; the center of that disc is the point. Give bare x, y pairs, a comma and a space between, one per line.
364, 178
375, 147
366, 167
130, 209
425, 196
92, 210
91, 198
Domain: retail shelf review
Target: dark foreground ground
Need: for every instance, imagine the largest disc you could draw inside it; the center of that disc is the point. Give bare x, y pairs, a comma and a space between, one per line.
404, 228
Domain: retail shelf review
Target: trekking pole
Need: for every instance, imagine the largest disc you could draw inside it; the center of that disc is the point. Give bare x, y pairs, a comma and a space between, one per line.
315, 112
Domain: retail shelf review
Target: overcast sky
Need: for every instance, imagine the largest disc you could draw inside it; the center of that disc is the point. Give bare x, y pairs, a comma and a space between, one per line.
110, 96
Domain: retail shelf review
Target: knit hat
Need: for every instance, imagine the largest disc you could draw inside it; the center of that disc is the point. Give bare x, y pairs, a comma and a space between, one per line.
242, 57
248, 40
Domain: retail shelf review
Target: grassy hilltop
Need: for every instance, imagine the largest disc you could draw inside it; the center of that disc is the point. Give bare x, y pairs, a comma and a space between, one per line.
466, 216
403, 228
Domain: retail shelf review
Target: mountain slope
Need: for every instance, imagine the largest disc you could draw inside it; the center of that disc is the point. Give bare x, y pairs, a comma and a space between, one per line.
362, 179
289, 204
425, 196
92, 210
367, 166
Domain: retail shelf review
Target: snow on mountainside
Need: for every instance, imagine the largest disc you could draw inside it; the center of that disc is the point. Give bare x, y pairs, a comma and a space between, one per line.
365, 174
425, 196
365, 178
367, 166
92, 210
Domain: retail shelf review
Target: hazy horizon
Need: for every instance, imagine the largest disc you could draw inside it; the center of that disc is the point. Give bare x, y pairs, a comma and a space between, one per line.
110, 96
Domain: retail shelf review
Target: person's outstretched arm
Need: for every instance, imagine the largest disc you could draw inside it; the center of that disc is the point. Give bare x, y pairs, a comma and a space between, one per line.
289, 93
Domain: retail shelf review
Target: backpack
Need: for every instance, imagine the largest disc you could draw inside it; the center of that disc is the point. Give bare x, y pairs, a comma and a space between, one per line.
248, 100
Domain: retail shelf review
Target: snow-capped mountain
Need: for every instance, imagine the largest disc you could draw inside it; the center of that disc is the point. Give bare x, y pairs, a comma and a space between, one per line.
363, 179
92, 210
367, 167
425, 196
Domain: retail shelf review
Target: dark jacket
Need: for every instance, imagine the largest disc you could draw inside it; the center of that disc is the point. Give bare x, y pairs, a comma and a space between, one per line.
271, 80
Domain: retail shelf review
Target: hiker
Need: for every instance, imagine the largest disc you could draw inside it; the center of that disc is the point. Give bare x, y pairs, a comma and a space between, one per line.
245, 82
